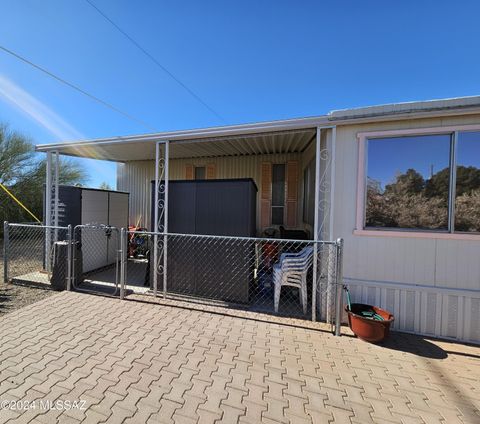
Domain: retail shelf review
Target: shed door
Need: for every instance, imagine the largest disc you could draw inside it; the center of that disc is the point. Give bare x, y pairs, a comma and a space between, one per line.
118, 218
95, 246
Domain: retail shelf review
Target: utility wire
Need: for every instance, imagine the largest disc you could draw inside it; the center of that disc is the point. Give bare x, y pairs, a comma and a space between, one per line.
152, 58
19, 203
75, 87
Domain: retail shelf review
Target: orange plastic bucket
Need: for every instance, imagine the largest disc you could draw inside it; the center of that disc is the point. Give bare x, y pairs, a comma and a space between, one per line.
369, 329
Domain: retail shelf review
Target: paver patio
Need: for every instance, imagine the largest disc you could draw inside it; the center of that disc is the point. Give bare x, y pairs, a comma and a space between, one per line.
136, 362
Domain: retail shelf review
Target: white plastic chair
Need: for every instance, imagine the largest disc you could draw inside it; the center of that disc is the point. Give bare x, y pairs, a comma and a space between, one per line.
292, 270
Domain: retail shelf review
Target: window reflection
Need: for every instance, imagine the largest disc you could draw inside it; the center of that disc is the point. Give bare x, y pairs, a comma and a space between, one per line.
408, 182
467, 190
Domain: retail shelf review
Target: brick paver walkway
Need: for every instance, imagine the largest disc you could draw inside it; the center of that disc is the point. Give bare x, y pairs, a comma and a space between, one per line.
134, 362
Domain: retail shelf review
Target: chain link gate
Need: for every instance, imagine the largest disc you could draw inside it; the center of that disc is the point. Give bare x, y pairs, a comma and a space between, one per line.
96, 259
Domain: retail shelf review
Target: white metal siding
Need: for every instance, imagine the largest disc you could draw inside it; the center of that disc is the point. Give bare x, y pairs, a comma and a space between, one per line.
424, 310
134, 178
412, 277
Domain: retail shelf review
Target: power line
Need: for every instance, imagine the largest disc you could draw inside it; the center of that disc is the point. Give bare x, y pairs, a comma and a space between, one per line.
152, 58
75, 87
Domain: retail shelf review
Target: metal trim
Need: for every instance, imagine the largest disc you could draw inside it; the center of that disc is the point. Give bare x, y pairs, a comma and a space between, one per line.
453, 182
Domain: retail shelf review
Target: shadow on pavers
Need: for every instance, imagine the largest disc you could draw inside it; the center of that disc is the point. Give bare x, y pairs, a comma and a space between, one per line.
416, 345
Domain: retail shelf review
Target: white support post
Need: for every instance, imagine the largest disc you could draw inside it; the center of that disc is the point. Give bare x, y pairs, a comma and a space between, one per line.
165, 218
331, 259
48, 210
333, 148
316, 225
155, 220
55, 204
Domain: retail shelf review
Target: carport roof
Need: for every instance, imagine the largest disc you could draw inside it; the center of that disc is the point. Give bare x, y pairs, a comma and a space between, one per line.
284, 136
264, 138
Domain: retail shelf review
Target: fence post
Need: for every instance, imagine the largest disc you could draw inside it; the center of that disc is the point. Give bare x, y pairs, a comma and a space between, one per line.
123, 262
315, 280
339, 287
6, 246
69, 257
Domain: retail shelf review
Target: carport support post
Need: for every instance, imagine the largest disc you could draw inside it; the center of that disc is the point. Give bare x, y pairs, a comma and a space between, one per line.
316, 229
55, 200
155, 220
339, 287
48, 209
165, 219
6, 248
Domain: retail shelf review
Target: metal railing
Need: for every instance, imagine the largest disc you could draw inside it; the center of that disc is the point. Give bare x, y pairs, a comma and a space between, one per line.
289, 278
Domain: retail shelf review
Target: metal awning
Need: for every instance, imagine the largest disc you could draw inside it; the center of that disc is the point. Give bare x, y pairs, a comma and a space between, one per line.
289, 141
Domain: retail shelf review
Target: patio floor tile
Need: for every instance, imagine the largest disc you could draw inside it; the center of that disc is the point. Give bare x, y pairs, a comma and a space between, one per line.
138, 362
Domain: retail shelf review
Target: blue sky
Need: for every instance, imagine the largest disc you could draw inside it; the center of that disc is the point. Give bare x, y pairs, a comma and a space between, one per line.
388, 157
392, 156
249, 60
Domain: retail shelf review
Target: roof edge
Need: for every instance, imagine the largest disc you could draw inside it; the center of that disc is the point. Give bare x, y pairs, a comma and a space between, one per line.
393, 111
455, 103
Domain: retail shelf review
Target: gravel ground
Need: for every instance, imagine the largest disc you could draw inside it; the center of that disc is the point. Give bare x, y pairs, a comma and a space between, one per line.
14, 296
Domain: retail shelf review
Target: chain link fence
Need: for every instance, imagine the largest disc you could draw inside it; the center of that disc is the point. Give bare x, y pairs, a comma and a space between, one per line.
36, 254
290, 278
257, 274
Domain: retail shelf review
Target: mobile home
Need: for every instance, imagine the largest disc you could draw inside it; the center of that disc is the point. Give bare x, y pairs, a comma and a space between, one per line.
399, 183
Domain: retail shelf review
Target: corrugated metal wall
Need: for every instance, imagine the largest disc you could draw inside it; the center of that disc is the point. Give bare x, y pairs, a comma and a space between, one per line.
427, 310
386, 270
135, 177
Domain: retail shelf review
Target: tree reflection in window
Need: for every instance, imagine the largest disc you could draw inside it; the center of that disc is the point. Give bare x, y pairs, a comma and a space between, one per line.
467, 188
408, 182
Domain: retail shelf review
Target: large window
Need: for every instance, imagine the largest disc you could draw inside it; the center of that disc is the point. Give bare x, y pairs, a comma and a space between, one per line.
425, 182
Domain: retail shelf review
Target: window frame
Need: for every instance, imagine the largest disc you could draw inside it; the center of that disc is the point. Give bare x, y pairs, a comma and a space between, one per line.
360, 229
